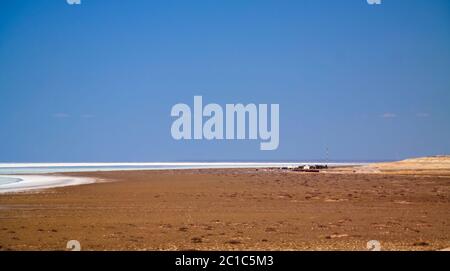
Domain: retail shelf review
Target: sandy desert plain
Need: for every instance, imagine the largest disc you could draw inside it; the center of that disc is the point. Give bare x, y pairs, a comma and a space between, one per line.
404, 205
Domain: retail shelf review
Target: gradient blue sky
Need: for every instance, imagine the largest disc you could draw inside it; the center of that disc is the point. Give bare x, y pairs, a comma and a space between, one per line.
96, 81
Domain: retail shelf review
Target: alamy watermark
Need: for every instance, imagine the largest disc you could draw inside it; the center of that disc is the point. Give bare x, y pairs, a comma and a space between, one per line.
374, 245
74, 2
374, 2
73, 245
78, 2
235, 119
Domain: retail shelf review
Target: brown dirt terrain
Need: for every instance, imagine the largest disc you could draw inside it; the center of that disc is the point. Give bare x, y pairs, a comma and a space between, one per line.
232, 209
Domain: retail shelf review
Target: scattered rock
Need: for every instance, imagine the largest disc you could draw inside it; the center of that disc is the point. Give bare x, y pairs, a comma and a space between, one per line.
196, 240
421, 244
334, 236
233, 242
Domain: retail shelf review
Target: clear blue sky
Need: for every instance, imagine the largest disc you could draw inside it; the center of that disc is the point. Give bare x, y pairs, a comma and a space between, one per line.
96, 81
